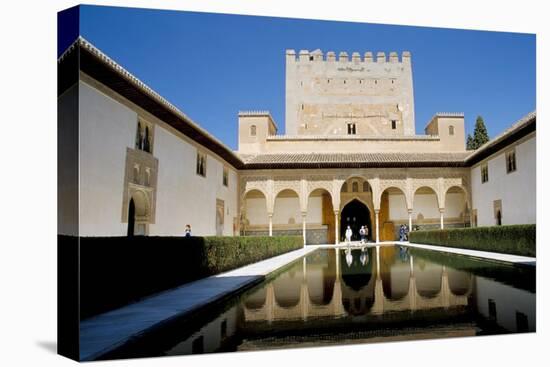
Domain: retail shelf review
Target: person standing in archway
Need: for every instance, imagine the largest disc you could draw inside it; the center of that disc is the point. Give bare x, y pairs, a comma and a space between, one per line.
362, 234
349, 233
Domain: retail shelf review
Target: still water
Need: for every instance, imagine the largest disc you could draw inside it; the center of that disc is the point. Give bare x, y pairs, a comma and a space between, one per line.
375, 294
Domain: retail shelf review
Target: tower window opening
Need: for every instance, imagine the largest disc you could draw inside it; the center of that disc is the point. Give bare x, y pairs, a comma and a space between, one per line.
393, 124
351, 129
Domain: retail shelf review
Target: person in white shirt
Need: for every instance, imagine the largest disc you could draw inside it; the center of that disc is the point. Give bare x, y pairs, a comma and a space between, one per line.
348, 234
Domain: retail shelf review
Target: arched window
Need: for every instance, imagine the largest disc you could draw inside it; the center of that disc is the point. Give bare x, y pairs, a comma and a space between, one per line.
355, 187
451, 130
345, 187
253, 130
365, 186
147, 141
139, 136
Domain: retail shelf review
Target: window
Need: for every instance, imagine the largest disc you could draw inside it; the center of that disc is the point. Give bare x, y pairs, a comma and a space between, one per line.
355, 187
522, 324
201, 164
492, 309
253, 130
144, 139
223, 329
484, 173
366, 187
225, 177
351, 129
393, 124
198, 345
451, 130
511, 161
345, 187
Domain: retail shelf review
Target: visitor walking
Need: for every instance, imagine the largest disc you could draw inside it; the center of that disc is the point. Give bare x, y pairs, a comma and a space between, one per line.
362, 234
187, 230
401, 233
349, 233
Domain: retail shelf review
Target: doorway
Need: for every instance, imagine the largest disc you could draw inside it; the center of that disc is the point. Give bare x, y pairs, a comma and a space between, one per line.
355, 214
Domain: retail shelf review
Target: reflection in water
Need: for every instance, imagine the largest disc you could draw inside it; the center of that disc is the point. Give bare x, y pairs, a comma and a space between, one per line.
357, 294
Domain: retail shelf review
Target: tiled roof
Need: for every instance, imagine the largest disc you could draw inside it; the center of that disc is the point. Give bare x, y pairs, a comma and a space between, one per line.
519, 129
327, 160
351, 137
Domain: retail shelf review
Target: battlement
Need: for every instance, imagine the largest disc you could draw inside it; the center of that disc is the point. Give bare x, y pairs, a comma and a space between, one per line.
306, 56
255, 113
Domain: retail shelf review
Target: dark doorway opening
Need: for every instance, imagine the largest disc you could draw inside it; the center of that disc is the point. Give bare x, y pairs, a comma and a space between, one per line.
131, 217
355, 214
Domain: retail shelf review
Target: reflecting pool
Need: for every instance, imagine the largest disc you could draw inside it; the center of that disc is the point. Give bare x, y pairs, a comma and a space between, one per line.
342, 296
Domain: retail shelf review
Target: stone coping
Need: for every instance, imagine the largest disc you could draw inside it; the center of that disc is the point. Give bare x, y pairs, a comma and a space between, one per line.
514, 259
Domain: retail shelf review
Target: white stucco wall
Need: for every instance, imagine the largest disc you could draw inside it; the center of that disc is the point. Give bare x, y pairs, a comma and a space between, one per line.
183, 197
107, 128
67, 162
285, 208
517, 190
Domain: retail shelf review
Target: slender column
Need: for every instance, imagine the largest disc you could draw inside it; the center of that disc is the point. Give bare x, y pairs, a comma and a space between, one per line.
270, 215
378, 261
376, 212
336, 226
410, 220
441, 212
304, 214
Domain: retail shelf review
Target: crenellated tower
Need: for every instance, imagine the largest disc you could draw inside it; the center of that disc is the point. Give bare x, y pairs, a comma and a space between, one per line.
328, 95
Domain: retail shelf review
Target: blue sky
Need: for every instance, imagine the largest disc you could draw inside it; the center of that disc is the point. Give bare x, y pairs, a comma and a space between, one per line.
213, 65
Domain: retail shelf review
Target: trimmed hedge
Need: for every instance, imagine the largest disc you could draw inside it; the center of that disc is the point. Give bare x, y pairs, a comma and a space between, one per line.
115, 271
512, 239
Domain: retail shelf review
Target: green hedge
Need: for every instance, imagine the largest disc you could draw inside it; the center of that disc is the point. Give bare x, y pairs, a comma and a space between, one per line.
226, 253
115, 271
512, 239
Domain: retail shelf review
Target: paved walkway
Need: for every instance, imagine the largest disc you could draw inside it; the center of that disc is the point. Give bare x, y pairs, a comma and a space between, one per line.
105, 332
515, 259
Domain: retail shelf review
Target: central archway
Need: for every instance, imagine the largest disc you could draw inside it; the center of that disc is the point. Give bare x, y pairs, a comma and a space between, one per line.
355, 214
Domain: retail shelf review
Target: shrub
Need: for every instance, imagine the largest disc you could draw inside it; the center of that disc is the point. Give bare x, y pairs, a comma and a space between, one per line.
115, 271
512, 239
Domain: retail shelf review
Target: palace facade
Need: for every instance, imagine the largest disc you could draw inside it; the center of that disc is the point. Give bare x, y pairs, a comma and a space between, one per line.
132, 163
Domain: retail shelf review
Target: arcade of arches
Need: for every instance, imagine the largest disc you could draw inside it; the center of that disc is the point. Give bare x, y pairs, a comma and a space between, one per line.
320, 207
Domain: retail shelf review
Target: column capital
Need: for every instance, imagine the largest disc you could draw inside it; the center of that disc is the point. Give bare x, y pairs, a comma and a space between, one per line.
376, 211
410, 211
304, 214
336, 212
270, 214
442, 210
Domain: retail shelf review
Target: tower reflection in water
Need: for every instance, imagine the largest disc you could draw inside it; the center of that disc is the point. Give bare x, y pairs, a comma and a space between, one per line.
372, 294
